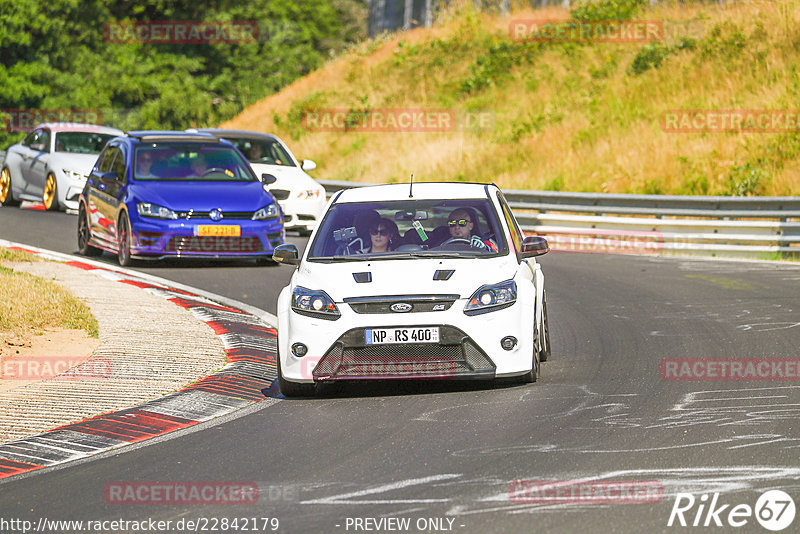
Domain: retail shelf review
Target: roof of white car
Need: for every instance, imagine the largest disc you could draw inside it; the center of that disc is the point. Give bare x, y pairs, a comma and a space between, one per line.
420, 191
77, 127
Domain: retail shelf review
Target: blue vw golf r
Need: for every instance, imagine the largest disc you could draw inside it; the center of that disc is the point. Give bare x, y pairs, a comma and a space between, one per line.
154, 194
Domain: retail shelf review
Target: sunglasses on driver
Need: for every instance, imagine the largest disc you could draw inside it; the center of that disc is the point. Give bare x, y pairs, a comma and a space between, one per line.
459, 222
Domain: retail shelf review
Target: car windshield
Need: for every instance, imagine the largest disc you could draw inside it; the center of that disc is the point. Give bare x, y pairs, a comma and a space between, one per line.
260, 150
81, 142
409, 229
190, 161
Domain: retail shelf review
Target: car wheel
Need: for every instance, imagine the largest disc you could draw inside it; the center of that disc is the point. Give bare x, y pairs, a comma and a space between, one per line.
293, 389
544, 354
50, 194
533, 374
85, 235
124, 241
6, 192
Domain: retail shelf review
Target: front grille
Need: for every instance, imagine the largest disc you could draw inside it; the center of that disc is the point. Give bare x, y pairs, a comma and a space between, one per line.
215, 245
419, 303
225, 215
306, 217
455, 356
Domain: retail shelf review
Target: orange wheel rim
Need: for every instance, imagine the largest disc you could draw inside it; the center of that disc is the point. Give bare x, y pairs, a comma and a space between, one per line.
49, 191
5, 184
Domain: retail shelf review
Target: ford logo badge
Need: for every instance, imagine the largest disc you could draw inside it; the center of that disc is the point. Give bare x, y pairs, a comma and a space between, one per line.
401, 307
215, 214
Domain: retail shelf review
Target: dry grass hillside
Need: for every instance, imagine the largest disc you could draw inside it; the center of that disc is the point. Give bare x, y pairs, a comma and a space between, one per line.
561, 116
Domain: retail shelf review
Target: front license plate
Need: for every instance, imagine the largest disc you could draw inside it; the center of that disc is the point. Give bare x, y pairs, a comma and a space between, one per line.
219, 230
383, 336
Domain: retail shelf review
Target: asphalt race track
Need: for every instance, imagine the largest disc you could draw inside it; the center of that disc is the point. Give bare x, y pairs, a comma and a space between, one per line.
602, 413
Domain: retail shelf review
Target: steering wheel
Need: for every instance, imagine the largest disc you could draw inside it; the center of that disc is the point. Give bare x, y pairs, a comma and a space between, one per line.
456, 240
215, 169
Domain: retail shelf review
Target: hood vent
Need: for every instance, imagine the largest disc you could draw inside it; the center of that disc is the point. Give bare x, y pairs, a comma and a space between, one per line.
443, 274
363, 278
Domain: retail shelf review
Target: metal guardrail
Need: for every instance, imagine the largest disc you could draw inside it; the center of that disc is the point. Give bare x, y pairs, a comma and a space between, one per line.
693, 225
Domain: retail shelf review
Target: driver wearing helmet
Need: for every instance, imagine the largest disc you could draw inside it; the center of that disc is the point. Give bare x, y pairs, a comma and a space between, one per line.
461, 224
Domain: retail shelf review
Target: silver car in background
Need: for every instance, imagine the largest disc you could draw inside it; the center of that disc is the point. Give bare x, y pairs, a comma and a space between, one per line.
52, 163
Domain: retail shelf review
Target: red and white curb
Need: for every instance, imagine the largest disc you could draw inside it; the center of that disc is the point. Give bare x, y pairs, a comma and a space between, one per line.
250, 343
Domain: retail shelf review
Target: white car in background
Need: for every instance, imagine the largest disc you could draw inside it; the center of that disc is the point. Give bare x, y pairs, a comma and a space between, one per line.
300, 197
52, 163
434, 281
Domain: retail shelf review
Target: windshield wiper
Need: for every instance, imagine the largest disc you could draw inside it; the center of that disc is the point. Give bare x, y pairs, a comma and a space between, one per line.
441, 255
339, 258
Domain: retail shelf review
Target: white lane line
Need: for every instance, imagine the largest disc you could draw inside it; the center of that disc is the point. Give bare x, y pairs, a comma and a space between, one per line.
344, 498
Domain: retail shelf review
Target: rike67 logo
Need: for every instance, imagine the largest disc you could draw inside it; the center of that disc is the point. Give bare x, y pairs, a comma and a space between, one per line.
774, 510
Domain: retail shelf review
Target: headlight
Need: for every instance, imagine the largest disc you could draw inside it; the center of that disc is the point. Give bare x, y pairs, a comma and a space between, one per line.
155, 211
308, 193
314, 303
492, 297
270, 212
74, 175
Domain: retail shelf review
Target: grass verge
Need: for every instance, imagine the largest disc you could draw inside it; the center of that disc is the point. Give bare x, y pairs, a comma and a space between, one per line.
29, 305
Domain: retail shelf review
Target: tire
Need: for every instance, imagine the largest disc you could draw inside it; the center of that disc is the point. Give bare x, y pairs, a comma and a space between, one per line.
544, 353
50, 194
85, 235
533, 375
6, 191
124, 241
293, 389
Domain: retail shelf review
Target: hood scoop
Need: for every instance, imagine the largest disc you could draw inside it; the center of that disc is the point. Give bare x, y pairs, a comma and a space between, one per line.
444, 274
363, 278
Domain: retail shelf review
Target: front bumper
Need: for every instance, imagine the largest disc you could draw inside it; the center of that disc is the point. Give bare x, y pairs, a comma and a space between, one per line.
154, 238
302, 214
469, 346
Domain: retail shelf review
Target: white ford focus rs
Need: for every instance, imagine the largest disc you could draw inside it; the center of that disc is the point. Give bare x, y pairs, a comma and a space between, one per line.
434, 280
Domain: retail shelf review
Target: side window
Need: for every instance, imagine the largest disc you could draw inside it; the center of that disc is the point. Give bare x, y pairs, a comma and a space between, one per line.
30, 139
118, 165
516, 233
44, 141
105, 159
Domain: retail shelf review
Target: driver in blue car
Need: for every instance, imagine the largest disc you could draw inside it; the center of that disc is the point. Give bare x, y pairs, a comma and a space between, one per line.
461, 226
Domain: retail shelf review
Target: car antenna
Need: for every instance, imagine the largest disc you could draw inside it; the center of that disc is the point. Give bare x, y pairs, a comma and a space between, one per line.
411, 186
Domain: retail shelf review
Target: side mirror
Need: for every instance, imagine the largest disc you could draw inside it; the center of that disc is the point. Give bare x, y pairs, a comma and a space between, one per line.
534, 246
286, 254
268, 179
308, 165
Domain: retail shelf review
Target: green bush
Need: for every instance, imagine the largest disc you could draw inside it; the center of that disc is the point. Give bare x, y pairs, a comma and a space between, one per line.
649, 57
599, 10
747, 179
